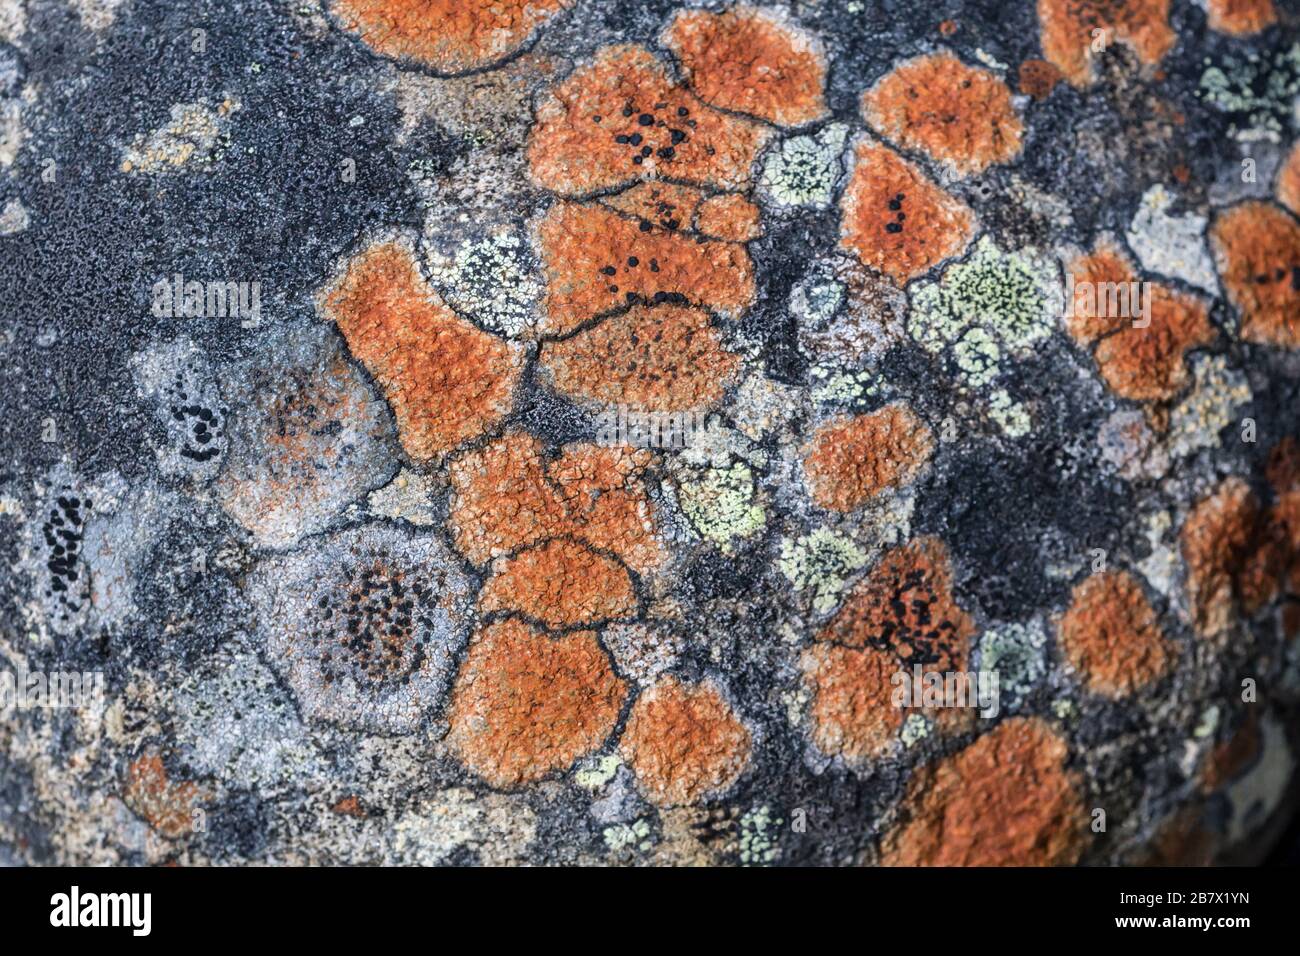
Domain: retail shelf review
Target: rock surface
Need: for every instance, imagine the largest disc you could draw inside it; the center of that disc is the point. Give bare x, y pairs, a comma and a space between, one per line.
508, 431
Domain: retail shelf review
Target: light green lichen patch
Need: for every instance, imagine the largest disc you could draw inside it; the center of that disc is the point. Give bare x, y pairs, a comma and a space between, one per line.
1016, 653
1258, 90
720, 504
915, 729
758, 832
822, 562
595, 773
802, 171
984, 313
1209, 408
838, 386
1010, 415
488, 281
1012, 297
816, 298
623, 836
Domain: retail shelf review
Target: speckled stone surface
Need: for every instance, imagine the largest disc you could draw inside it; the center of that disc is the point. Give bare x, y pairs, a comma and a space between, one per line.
545, 431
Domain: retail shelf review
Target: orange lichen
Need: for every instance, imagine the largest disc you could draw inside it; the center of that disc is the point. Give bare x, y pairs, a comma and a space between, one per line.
900, 616
1093, 315
666, 358
1076, 31
668, 205
350, 807
684, 742
849, 460
526, 704
960, 115
905, 606
561, 584
1273, 563
1241, 17
1139, 357
1216, 540
1257, 247
1111, 637
448, 36
621, 119
852, 710
729, 216
506, 496
748, 61
166, 806
1038, 78
597, 260
446, 380
1288, 181
1006, 800
896, 220
1147, 363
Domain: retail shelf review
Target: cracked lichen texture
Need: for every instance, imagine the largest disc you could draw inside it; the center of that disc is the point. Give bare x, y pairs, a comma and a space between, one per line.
634, 391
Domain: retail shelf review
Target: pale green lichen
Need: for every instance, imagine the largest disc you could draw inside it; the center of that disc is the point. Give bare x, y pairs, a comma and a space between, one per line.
1011, 297
758, 828
985, 311
802, 171
915, 729
1011, 416
1258, 91
836, 386
623, 835
822, 562
487, 281
1016, 652
597, 772
720, 504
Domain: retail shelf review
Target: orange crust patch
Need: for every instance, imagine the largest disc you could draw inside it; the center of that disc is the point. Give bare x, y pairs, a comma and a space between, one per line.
1143, 363
905, 606
896, 220
448, 36
1216, 540
597, 260
507, 496
1068, 28
902, 614
852, 710
748, 61
1257, 247
728, 216
684, 742
960, 115
166, 806
851, 460
1038, 78
594, 129
1006, 800
1111, 637
562, 584
446, 380
526, 705
1241, 18
1288, 181
667, 358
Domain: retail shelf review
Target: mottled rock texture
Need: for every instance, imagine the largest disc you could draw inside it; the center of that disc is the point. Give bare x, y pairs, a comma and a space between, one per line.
548, 431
